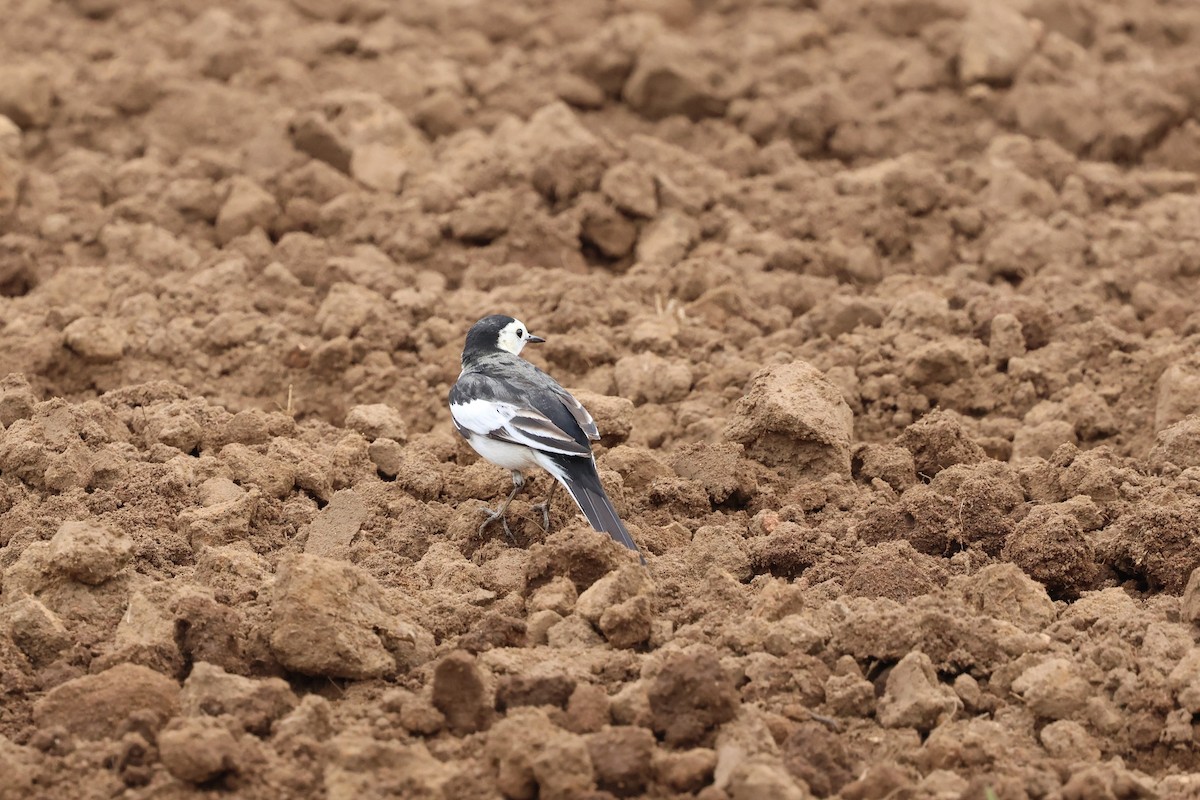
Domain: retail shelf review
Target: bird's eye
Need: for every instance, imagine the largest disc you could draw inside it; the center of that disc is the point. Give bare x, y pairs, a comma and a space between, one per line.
520, 333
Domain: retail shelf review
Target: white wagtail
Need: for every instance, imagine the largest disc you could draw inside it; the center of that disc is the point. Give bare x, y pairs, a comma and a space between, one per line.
518, 417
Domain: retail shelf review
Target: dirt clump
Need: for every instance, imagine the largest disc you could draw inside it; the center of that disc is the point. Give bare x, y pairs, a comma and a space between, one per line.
689, 697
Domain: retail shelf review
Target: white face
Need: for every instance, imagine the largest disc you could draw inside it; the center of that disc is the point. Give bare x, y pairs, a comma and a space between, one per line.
513, 337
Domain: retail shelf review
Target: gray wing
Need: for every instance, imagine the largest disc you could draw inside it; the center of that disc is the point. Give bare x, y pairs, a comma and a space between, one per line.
532, 416
581, 415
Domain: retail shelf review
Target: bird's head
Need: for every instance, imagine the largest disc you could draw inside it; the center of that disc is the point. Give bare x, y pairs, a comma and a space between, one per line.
498, 332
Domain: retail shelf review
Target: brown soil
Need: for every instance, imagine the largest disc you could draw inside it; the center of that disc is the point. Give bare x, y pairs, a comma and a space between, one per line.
888, 311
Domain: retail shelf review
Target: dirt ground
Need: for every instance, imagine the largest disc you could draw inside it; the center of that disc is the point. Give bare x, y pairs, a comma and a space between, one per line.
888, 311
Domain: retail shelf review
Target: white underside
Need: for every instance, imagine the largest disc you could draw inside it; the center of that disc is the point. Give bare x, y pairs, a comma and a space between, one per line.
516, 457
504, 454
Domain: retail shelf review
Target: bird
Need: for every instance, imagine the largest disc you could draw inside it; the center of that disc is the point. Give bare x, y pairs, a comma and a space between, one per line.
517, 417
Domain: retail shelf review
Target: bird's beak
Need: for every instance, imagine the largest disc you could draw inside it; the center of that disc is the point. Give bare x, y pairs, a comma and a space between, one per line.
531, 339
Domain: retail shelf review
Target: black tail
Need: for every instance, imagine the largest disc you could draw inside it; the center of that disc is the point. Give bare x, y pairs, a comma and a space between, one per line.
583, 482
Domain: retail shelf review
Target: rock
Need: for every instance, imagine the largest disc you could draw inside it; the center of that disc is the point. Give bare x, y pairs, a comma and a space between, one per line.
11, 179
312, 134
1020, 248
146, 633
578, 553
1069, 740
459, 693
17, 399
358, 766
913, 185
1004, 592
794, 419
578, 91
943, 362
536, 759
631, 189
334, 528
850, 695
666, 240
349, 308
887, 462
172, 425
379, 166
1178, 445
220, 523
389, 458
1041, 439
744, 742
377, 421
235, 570
313, 718
649, 378
275, 477
20, 769
752, 780
996, 40
1178, 394
564, 157
615, 587
1189, 604
483, 218
569, 631
197, 749
563, 768
587, 708
938, 440
727, 476
895, 570
442, 113
690, 696
608, 230
90, 553
95, 340
94, 706
332, 619
254, 702
559, 596
914, 698
26, 94
36, 630
1006, 339
671, 78
552, 689
686, 771
1184, 681
1053, 689
10, 138
1156, 542
1050, 546
206, 630
817, 755
246, 207
622, 758
419, 716
628, 624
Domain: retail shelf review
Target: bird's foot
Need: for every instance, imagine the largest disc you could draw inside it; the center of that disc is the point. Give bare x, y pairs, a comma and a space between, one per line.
493, 515
545, 509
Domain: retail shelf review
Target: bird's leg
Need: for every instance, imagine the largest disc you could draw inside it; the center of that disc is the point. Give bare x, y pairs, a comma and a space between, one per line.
545, 506
498, 514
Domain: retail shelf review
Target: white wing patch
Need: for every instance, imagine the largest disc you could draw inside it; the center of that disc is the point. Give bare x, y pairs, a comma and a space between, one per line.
482, 416
517, 424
